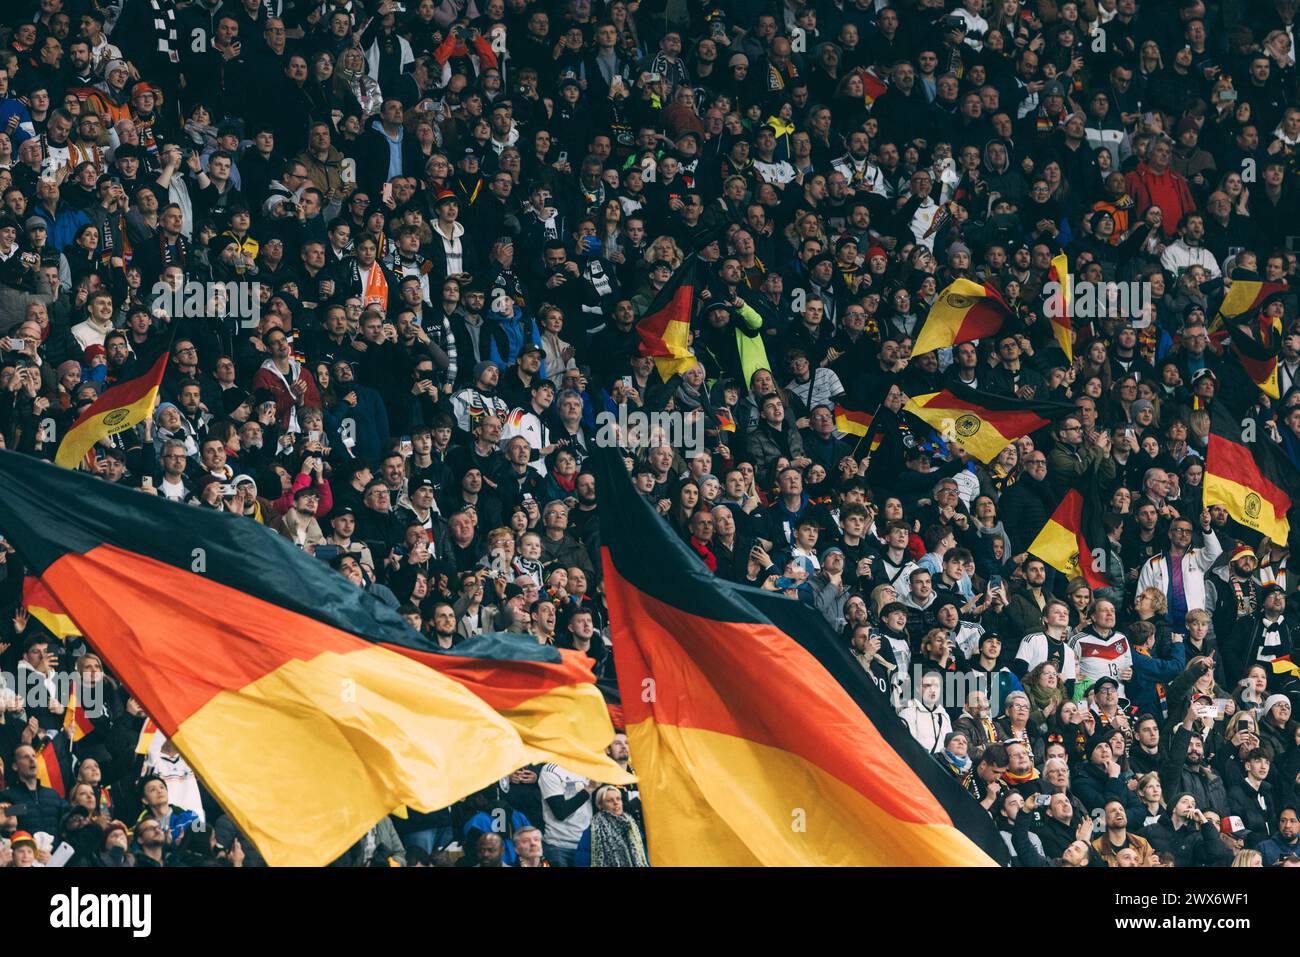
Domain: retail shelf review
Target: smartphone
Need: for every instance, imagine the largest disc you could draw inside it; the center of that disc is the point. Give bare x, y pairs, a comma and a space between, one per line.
1228, 96
146, 481
564, 156
627, 382
995, 582
62, 854
387, 192
227, 491
399, 551
314, 435
406, 445
1042, 800
784, 582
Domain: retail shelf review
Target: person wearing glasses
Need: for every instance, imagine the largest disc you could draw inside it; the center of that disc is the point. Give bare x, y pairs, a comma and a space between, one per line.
1072, 462
1179, 572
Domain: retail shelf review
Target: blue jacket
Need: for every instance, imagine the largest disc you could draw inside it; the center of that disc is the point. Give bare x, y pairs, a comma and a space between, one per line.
371, 418
9, 108
1148, 672
484, 824
507, 336
62, 225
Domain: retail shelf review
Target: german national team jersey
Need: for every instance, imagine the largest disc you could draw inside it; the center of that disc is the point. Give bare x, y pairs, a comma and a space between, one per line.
1103, 657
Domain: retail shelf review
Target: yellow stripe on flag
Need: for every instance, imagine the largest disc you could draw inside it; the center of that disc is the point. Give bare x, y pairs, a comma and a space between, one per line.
81, 438
1062, 308
718, 800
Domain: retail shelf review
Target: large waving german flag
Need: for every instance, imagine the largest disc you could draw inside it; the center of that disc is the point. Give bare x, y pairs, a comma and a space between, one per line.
1244, 299
119, 408
964, 310
665, 329
1061, 303
984, 424
758, 738
256, 660
1252, 480
1255, 345
1064, 542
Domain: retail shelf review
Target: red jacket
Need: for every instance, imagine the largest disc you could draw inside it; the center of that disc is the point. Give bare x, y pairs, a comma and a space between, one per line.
268, 378
1167, 190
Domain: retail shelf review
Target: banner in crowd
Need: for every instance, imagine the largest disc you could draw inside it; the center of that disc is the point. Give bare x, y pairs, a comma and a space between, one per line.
1252, 480
759, 739
257, 660
984, 424
964, 310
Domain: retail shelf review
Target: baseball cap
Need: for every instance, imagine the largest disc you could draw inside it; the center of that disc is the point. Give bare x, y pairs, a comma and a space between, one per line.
1233, 826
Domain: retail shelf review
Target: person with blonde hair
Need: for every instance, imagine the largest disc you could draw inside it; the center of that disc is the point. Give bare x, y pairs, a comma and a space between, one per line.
1247, 858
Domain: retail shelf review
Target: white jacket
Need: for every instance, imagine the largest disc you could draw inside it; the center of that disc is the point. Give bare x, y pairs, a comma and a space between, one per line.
929, 728
1196, 562
1178, 256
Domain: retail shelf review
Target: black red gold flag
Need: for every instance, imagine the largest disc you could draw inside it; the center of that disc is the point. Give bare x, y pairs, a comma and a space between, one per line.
758, 738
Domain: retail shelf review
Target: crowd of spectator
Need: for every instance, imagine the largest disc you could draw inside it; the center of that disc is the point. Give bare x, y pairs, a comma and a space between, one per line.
422, 235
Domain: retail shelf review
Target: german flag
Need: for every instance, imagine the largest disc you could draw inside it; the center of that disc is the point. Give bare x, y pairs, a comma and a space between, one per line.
665, 329
148, 734
852, 421
984, 424
75, 720
51, 761
46, 609
1256, 351
548, 694
1063, 543
726, 422
1246, 297
759, 739
873, 87
963, 311
119, 408
1061, 303
304, 728
1251, 480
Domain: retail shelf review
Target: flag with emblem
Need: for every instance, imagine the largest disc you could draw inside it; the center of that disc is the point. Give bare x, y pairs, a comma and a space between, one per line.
120, 407
984, 424
964, 310
1251, 479
1064, 544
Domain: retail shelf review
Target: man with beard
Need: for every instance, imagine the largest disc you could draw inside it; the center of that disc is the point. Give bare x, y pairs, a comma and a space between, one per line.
1117, 837
1184, 768
480, 398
